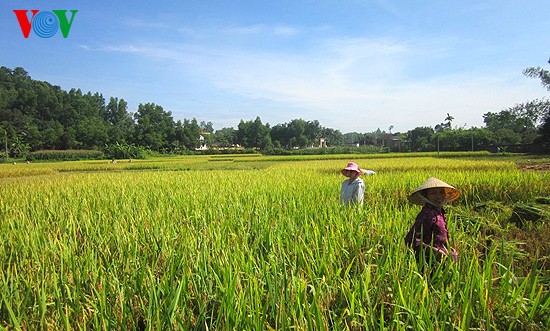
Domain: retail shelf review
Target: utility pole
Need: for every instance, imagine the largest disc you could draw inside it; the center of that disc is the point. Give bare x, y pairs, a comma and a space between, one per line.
437, 144
6, 143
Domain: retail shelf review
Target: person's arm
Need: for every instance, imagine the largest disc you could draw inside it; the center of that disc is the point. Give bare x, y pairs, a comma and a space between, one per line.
444, 250
438, 252
451, 251
454, 254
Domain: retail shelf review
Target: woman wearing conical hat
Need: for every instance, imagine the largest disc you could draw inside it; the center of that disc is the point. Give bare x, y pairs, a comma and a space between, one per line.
429, 234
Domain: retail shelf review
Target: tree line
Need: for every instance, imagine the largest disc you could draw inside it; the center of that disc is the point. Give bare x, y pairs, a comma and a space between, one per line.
36, 115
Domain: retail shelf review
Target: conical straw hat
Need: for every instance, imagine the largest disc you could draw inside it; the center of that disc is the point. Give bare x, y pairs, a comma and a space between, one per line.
451, 193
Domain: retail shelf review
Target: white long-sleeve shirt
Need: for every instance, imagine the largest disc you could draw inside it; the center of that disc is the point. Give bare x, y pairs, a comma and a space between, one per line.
352, 193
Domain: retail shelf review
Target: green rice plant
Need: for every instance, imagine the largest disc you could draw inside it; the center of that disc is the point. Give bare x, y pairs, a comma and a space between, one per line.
258, 243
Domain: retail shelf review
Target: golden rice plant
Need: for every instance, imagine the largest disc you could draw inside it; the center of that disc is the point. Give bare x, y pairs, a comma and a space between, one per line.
255, 243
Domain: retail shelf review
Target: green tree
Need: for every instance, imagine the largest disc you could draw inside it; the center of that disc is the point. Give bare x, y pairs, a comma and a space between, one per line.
506, 136
154, 126
280, 136
52, 131
45, 117
538, 72
520, 121
544, 76
92, 133
333, 137
296, 133
464, 140
187, 133
19, 148
225, 137
354, 138
207, 126
446, 125
119, 121
254, 134
313, 130
421, 139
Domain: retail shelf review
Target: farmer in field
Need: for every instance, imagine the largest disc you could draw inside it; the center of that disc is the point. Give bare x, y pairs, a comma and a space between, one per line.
353, 188
429, 235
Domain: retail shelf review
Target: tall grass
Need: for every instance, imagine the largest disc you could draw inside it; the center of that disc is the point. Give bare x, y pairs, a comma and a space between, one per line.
268, 247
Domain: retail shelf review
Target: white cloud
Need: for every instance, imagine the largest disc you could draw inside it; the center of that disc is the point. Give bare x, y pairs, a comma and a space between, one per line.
352, 84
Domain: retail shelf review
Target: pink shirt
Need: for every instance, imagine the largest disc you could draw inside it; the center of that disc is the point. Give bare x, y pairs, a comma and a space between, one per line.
430, 227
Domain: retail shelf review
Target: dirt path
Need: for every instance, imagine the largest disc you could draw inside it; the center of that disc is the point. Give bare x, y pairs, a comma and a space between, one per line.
538, 167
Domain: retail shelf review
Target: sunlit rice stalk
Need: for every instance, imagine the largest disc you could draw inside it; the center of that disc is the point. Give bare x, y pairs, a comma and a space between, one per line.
86, 247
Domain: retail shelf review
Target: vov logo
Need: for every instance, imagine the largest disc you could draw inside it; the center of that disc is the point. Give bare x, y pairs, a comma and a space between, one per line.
45, 24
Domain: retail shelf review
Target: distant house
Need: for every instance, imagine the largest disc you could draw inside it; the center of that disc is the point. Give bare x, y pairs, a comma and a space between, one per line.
202, 141
393, 141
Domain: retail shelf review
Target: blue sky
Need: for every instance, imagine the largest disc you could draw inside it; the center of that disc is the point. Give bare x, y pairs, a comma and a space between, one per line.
352, 65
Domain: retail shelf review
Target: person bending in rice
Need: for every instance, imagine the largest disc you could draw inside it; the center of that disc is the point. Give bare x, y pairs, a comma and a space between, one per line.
428, 236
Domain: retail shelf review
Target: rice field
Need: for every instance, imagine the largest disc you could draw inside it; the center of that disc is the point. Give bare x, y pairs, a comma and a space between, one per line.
261, 243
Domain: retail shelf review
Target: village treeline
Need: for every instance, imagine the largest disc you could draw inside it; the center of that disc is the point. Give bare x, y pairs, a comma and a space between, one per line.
36, 115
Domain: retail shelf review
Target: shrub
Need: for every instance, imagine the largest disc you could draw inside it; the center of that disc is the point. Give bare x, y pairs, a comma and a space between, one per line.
125, 151
65, 155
